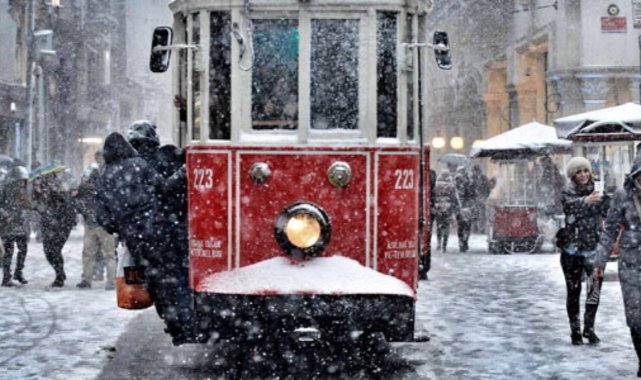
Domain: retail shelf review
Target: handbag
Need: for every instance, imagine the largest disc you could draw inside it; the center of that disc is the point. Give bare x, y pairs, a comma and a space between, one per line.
130, 288
561, 237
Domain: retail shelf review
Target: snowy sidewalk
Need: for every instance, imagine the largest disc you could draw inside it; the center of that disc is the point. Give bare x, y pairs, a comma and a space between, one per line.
503, 317
57, 334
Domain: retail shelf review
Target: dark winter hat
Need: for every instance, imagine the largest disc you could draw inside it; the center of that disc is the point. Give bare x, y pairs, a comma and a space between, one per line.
575, 164
143, 132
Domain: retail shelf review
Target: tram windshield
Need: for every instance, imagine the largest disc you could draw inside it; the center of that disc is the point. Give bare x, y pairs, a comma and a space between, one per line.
326, 75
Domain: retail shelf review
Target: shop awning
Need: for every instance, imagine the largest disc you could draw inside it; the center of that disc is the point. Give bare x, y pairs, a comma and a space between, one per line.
527, 140
608, 124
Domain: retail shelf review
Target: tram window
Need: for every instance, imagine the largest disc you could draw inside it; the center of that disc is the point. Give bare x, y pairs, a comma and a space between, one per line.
334, 74
275, 74
220, 76
386, 74
410, 82
195, 78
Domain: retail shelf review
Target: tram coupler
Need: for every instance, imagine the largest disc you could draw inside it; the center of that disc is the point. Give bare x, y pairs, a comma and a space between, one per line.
307, 334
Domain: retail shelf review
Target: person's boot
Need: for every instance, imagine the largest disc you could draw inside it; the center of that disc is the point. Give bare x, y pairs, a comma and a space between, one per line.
59, 281
6, 276
636, 341
591, 336
575, 335
588, 324
577, 340
83, 284
18, 277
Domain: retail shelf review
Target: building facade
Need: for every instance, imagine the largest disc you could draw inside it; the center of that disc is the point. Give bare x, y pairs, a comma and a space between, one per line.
539, 60
83, 80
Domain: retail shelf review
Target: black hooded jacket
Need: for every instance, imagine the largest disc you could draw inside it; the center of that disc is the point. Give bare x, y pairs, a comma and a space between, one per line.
582, 220
127, 191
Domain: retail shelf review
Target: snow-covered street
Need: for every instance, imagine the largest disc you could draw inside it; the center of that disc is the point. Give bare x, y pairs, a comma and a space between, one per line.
57, 334
503, 317
488, 316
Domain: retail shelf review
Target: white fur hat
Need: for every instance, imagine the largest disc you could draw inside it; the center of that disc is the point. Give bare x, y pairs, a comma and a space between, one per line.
575, 164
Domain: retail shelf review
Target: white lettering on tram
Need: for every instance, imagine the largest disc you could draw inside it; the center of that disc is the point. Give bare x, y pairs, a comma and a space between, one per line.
404, 179
206, 248
404, 249
203, 178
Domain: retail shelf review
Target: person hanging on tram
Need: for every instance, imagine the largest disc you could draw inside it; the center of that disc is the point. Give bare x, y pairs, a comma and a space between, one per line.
170, 277
129, 204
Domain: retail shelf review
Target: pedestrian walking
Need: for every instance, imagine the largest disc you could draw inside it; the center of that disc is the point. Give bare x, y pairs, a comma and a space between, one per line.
584, 210
14, 230
57, 217
466, 198
481, 185
96, 239
625, 211
445, 206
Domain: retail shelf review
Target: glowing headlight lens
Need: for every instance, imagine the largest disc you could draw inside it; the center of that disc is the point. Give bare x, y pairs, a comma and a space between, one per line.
303, 230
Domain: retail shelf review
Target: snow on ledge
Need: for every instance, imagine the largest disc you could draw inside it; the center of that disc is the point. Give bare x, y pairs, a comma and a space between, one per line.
336, 275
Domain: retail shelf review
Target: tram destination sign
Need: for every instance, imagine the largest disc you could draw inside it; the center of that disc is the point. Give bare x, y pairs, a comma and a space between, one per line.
613, 25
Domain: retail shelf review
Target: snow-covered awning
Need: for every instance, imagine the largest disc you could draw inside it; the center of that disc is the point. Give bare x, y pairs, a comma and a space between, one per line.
608, 124
527, 140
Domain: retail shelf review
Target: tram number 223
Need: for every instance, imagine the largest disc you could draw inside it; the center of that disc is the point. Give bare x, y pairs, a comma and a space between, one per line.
203, 178
404, 179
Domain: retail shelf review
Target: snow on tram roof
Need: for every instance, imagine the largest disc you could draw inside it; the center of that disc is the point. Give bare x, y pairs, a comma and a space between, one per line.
334, 275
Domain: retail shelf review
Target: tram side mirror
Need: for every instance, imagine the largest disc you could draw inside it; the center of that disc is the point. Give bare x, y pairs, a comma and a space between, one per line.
160, 49
442, 50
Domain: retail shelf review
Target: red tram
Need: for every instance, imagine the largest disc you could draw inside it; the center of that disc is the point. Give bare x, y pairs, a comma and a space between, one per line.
303, 133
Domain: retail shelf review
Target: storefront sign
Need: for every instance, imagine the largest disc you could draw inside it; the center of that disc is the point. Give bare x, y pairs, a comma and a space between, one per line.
613, 25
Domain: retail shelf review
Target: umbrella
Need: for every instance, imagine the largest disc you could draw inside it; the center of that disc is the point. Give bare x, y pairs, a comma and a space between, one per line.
456, 159
620, 121
5, 160
50, 168
531, 139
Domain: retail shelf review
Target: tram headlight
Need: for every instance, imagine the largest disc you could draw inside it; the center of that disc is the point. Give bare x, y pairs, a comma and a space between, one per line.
303, 229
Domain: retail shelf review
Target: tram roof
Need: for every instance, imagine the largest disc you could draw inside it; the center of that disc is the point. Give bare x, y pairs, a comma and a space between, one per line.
421, 6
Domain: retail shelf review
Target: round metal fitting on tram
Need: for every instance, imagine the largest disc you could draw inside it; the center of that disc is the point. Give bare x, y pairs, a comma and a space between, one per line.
260, 172
303, 229
339, 174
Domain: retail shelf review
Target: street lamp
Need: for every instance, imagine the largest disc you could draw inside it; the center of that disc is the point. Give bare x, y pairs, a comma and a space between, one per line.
438, 142
457, 142
12, 107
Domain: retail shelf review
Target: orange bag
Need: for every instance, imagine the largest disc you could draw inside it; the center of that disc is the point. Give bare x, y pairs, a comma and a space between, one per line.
130, 289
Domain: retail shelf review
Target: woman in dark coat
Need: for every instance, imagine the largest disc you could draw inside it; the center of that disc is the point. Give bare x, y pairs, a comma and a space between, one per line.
584, 210
626, 211
445, 206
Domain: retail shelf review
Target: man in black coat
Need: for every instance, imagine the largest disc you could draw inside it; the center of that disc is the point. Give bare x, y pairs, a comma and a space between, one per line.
171, 279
